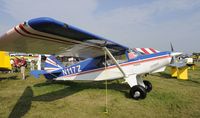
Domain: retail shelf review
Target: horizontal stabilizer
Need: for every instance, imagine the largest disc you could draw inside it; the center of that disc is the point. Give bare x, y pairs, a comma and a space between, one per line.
37, 73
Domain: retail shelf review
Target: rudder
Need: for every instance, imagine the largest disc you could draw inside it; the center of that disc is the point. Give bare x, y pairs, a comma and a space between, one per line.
52, 64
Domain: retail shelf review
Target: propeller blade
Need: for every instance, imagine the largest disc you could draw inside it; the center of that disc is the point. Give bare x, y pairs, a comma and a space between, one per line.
172, 48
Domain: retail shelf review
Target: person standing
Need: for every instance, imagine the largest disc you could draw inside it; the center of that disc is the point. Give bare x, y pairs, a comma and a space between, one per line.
16, 64
32, 65
23, 65
12, 65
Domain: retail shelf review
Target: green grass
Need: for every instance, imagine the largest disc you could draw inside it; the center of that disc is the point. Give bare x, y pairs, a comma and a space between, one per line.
35, 98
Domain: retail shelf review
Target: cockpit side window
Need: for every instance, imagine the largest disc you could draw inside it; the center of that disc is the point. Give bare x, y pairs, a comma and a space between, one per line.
131, 54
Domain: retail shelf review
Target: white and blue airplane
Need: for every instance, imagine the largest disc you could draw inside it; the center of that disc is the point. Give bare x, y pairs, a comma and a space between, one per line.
103, 59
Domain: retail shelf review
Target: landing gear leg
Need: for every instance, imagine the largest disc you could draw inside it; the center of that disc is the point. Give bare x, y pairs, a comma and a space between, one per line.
137, 85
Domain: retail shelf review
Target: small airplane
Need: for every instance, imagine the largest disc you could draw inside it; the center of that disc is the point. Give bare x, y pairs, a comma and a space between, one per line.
103, 58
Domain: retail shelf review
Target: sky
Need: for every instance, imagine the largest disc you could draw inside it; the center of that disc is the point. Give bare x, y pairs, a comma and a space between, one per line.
133, 23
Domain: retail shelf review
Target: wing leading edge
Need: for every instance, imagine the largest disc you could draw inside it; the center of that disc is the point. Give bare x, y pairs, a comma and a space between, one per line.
48, 36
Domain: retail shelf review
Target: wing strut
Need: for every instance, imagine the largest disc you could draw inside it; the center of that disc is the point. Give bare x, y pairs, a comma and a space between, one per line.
115, 61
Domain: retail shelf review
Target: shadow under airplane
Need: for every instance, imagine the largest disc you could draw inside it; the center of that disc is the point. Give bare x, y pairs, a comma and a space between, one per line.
23, 104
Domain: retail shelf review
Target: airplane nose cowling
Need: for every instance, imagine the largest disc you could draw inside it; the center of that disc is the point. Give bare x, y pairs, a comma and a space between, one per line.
173, 54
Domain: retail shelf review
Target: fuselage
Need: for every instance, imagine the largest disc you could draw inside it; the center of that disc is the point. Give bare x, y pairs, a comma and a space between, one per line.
88, 69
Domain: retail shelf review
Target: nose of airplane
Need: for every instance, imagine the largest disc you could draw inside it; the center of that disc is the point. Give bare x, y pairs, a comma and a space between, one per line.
174, 55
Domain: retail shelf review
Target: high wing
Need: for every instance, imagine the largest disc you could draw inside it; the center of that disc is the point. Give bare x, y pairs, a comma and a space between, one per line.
48, 36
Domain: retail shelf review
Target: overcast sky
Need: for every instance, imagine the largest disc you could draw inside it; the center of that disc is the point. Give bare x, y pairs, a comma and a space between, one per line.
134, 23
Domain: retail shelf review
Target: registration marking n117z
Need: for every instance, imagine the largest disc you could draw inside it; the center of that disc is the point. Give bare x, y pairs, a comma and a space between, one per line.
72, 70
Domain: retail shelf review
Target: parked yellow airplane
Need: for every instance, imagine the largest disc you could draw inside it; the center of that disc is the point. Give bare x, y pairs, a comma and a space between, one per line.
5, 61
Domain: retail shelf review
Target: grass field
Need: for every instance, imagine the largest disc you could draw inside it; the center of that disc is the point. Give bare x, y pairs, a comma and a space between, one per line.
34, 98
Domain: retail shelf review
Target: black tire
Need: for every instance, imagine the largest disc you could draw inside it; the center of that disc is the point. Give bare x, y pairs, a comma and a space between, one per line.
148, 85
138, 92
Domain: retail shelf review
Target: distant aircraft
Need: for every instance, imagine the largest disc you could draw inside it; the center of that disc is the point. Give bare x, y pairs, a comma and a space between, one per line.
103, 59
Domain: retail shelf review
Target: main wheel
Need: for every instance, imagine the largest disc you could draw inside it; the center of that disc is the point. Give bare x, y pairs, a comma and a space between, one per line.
138, 92
148, 85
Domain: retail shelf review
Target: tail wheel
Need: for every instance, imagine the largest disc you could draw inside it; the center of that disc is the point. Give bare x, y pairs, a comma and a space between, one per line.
148, 85
138, 92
